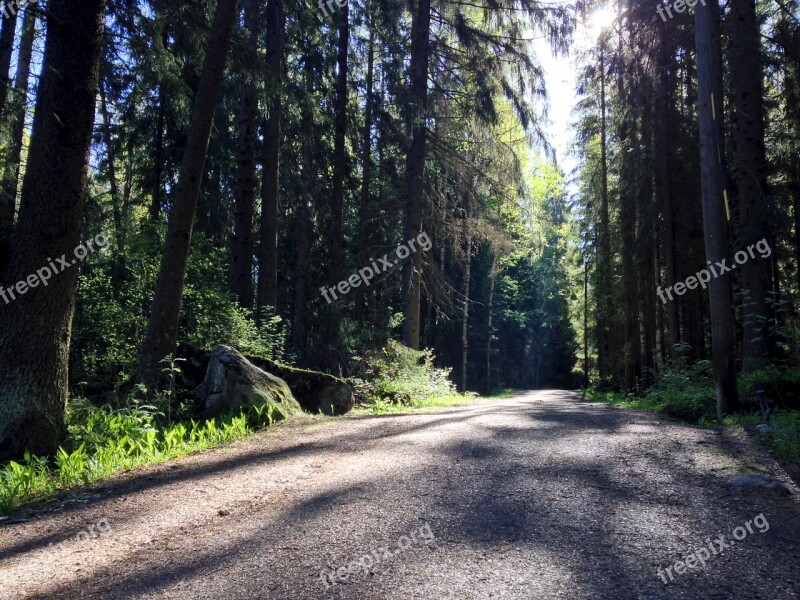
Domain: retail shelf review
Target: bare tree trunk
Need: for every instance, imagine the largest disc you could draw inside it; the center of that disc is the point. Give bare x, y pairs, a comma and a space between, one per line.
366, 165
489, 332
162, 331
244, 195
336, 243
268, 247
604, 241
303, 226
664, 180
13, 158
415, 170
714, 216
465, 309
158, 158
35, 329
586, 365
111, 160
750, 174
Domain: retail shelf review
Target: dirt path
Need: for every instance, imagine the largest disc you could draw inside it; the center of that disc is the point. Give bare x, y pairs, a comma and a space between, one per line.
539, 496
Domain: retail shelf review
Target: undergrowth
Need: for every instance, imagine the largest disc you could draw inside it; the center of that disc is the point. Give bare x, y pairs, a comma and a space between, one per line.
688, 392
397, 376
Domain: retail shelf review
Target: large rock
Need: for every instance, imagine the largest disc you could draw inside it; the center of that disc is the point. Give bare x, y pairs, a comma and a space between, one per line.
233, 383
316, 392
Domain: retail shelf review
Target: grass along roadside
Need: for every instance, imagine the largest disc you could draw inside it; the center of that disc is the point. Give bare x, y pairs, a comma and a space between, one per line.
784, 439
380, 407
107, 442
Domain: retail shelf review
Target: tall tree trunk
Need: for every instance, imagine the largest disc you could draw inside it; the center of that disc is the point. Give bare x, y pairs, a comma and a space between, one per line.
35, 329
158, 158
586, 365
336, 243
366, 166
489, 331
415, 170
244, 195
127, 190
162, 331
604, 241
13, 158
111, 161
303, 225
750, 174
664, 180
465, 308
795, 189
714, 217
9, 29
268, 245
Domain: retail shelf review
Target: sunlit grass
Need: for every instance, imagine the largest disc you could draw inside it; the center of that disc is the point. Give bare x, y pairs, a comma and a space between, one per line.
439, 401
110, 442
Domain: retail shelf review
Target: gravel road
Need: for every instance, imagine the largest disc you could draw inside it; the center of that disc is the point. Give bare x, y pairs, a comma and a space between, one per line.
538, 496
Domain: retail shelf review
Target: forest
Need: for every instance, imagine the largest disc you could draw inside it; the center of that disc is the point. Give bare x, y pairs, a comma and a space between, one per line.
364, 198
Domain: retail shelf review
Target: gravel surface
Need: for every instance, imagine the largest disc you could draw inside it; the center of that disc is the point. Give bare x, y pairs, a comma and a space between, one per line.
538, 496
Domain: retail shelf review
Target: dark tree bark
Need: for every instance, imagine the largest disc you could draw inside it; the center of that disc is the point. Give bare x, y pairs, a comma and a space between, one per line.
162, 331
35, 329
13, 158
415, 170
302, 228
750, 174
664, 180
366, 166
268, 246
714, 217
336, 243
244, 195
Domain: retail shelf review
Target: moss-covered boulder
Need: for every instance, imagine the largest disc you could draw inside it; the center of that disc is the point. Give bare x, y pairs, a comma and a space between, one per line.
233, 383
314, 391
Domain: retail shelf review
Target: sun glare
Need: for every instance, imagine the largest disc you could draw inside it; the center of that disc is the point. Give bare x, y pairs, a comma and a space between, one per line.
601, 19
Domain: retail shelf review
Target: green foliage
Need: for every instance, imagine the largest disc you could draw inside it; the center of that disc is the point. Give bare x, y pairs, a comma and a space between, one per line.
682, 391
267, 340
784, 438
686, 392
776, 381
397, 375
107, 441
113, 308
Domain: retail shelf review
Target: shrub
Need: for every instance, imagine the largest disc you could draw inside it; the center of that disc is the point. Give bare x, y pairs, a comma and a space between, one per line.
399, 375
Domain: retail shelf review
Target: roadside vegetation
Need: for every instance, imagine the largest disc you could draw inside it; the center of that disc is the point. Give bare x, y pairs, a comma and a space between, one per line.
687, 392
104, 440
